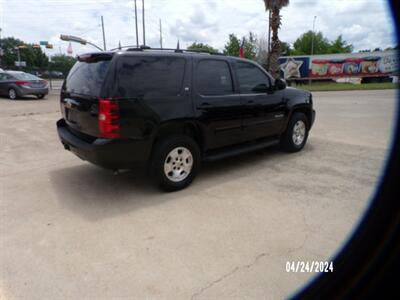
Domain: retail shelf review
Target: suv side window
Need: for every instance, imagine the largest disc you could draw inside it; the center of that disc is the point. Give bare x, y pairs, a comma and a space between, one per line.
251, 79
150, 76
213, 77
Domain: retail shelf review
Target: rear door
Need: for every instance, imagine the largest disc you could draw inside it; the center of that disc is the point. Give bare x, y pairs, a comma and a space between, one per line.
217, 105
151, 89
2, 83
80, 93
5, 80
264, 108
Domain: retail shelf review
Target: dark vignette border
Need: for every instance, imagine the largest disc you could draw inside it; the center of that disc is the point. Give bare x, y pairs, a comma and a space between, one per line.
369, 264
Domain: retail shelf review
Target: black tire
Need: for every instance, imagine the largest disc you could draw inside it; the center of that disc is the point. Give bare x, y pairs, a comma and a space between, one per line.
289, 143
161, 153
12, 94
41, 96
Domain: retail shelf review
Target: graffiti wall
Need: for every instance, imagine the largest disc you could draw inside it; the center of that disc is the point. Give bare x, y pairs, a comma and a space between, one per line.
380, 63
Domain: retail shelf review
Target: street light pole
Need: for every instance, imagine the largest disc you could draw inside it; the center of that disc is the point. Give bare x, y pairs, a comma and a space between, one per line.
137, 34
19, 59
144, 30
104, 35
160, 35
312, 42
71, 38
312, 36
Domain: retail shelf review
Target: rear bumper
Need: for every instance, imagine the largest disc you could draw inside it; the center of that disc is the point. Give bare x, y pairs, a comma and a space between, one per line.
107, 153
24, 91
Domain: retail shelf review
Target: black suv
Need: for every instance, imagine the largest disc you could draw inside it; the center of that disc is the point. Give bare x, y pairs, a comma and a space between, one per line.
172, 109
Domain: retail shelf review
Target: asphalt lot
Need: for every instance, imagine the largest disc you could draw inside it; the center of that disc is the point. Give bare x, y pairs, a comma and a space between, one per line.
70, 230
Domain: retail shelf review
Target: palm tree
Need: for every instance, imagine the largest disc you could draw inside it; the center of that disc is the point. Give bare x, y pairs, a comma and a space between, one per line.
274, 6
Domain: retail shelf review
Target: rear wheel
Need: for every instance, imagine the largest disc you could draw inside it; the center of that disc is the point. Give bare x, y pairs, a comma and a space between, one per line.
296, 134
12, 94
40, 96
175, 162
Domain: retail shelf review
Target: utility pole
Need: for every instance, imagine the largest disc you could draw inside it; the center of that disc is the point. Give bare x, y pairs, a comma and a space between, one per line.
104, 36
144, 30
312, 42
137, 34
160, 35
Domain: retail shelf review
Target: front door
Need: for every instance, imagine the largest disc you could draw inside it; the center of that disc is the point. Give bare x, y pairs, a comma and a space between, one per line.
264, 108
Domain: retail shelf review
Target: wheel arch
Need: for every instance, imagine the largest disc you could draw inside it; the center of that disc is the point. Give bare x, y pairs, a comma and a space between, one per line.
186, 127
302, 108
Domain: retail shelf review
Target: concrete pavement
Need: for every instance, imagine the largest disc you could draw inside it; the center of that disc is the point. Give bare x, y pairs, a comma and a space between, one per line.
70, 230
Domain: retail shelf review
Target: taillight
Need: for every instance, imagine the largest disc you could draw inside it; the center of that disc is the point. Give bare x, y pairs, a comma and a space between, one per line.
44, 82
108, 119
21, 82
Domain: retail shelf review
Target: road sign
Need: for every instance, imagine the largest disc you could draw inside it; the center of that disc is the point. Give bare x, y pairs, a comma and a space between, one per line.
20, 63
44, 43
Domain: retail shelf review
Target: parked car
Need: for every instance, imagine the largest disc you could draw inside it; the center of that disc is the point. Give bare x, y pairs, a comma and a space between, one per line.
16, 84
171, 110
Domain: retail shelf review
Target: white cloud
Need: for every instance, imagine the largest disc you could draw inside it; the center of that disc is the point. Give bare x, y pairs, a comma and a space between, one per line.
363, 23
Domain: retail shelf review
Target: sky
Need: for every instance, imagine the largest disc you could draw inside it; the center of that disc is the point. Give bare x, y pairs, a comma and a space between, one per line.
367, 24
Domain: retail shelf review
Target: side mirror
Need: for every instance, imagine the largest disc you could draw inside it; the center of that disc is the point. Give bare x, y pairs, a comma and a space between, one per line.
280, 84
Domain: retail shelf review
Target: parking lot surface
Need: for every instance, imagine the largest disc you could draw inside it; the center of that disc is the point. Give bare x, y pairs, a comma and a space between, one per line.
70, 230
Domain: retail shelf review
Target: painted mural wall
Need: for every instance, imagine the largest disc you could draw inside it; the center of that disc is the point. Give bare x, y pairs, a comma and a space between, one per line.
379, 63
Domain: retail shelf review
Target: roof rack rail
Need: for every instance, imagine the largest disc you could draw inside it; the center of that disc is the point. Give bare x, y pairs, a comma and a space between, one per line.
142, 47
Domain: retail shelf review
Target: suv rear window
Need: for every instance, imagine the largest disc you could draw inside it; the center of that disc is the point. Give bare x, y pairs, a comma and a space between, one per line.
87, 78
149, 77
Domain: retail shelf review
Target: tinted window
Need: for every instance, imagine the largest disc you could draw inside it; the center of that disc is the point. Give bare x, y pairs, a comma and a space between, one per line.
87, 78
251, 78
213, 78
150, 77
4, 76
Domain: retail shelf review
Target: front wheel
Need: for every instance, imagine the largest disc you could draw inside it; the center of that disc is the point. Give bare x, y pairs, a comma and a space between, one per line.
12, 94
296, 134
175, 162
41, 96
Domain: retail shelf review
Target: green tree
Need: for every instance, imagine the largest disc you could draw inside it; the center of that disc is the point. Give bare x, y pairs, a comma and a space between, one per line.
232, 47
250, 46
302, 46
62, 63
275, 6
340, 46
34, 57
203, 47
